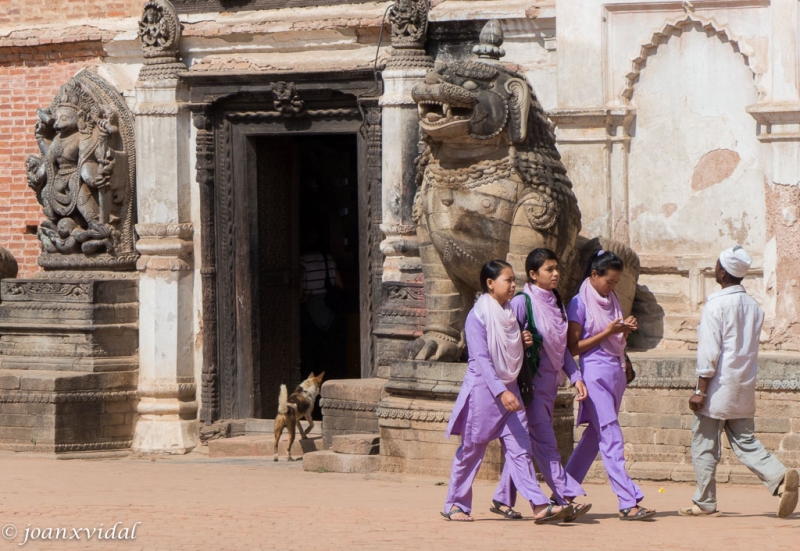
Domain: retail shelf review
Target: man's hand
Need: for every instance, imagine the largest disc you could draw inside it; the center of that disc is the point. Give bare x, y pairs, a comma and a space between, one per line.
696, 402
510, 401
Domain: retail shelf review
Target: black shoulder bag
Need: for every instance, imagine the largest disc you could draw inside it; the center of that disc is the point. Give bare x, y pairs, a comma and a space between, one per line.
530, 366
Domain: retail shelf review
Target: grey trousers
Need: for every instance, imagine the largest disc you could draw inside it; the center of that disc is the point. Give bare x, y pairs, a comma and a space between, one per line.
707, 448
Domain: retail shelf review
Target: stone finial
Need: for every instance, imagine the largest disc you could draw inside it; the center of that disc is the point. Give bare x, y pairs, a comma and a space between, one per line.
490, 41
160, 34
409, 19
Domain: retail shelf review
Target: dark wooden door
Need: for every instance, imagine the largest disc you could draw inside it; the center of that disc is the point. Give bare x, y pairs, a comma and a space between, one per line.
277, 272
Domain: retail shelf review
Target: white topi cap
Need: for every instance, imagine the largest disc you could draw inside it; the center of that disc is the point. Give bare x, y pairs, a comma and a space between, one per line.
735, 261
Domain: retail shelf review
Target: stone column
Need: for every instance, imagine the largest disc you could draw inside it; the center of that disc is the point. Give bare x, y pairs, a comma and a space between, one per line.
407, 67
167, 408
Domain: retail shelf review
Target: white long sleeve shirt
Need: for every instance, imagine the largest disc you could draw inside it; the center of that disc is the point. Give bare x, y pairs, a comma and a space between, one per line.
727, 353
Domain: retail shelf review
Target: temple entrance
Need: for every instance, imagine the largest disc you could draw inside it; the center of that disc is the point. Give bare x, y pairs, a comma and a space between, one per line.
307, 221
275, 157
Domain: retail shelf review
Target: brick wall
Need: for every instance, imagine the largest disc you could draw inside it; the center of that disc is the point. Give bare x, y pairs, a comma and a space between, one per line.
37, 12
657, 423
29, 78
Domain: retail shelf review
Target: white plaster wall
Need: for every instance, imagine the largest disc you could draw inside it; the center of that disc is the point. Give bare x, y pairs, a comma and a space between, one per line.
688, 194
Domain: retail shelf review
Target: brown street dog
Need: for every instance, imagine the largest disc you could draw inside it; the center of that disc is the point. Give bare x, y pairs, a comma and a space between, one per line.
300, 404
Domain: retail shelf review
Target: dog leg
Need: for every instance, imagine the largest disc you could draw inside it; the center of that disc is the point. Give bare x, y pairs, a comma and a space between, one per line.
300, 428
280, 422
290, 428
310, 422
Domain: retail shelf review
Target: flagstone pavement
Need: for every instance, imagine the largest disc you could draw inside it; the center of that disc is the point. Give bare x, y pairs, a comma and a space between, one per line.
195, 502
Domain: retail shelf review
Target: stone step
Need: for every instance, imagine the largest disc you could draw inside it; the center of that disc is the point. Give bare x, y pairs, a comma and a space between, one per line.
258, 445
267, 426
356, 444
332, 462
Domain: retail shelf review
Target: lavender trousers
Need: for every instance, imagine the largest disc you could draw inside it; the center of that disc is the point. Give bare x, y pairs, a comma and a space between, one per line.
608, 441
545, 452
516, 444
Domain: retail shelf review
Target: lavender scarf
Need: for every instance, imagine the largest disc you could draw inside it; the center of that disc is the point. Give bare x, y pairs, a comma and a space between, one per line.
600, 311
549, 322
503, 337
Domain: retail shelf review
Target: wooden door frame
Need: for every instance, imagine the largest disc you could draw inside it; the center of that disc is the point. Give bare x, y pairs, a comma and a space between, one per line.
229, 112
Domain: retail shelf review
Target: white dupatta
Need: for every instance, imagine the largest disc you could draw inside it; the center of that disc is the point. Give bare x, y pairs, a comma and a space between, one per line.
503, 337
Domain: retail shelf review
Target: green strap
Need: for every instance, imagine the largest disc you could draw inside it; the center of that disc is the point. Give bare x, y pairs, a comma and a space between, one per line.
532, 354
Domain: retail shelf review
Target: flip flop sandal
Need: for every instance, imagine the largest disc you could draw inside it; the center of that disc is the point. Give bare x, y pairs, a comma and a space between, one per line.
550, 517
509, 513
455, 511
695, 511
641, 514
577, 511
789, 498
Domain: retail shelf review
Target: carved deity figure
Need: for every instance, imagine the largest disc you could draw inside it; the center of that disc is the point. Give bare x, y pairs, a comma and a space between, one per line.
72, 177
409, 19
491, 184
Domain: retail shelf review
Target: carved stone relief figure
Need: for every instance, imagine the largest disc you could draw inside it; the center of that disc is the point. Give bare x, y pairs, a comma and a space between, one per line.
491, 184
409, 19
84, 177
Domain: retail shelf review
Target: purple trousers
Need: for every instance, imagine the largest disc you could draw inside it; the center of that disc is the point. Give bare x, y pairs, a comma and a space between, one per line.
545, 452
608, 441
516, 446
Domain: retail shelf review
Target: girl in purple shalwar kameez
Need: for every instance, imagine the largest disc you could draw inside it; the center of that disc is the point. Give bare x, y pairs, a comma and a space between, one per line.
597, 333
550, 319
488, 405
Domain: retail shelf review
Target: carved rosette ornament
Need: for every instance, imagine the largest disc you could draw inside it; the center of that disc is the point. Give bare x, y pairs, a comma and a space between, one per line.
160, 34
85, 177
409, 20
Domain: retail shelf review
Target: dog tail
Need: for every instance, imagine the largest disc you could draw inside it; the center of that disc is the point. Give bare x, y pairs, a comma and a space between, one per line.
283, 398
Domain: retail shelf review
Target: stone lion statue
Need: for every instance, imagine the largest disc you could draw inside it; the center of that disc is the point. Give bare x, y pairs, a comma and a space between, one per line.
490, 184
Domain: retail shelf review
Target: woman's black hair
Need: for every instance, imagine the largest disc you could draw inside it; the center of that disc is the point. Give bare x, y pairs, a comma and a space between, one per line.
602, 263
492, 270
535, 260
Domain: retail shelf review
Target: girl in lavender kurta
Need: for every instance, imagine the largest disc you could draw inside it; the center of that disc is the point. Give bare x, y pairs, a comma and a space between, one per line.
555, 363
488, 405
597, 332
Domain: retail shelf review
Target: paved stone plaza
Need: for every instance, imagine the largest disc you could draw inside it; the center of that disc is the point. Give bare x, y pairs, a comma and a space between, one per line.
195, 502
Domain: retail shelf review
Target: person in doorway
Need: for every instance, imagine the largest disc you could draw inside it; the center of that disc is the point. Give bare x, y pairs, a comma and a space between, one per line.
725, 396
321, 334
597, 333
554, 364
488, 405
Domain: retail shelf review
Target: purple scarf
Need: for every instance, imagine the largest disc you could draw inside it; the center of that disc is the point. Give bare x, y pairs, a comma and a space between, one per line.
600, 311
549, 322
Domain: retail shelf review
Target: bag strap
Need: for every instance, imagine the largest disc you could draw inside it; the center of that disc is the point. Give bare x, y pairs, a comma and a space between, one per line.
532, 354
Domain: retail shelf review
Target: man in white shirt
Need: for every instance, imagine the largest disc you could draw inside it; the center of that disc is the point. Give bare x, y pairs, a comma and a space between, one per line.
725, 398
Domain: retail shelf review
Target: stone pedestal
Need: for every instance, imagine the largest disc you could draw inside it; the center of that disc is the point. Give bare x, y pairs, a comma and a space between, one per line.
68, 363
415, 411
348, 407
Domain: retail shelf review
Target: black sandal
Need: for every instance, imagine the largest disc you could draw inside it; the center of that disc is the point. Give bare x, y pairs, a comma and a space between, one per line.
578, 510
509, 513
455, 511
550, 517
641, 514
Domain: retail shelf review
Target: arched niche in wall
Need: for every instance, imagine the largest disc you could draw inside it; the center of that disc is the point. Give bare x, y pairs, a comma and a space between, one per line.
695, 174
